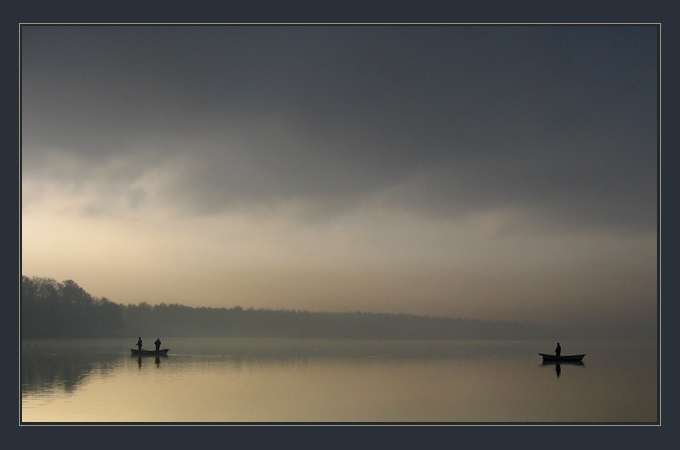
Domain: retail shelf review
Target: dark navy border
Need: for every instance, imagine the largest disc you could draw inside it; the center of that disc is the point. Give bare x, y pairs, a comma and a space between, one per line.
411, 435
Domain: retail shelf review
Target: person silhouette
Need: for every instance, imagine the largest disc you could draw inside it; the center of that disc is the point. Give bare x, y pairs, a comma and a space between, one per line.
558, 349
139, 343
158, 344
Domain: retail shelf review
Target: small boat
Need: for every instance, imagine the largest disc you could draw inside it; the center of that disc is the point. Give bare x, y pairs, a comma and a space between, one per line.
561, 358
547, 362
163, 352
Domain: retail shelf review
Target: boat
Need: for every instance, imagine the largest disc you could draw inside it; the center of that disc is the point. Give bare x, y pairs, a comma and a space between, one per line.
562, 358
162, 352
547, 362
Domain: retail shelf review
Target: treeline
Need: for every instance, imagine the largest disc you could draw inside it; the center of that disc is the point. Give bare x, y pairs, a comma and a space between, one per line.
52, 309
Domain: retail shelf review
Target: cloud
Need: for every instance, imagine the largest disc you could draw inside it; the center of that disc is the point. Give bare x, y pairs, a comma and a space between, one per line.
480, 171
557, 123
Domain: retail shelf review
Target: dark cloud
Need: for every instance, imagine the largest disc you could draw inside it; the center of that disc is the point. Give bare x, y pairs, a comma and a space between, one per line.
557, 121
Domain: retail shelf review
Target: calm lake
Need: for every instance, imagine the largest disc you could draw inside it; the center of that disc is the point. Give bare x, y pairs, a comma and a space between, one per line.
336, 381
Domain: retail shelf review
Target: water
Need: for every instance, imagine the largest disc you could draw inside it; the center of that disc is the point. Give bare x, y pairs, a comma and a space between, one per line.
336, 381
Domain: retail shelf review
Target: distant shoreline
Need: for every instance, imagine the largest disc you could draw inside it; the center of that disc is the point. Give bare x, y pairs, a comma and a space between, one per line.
51, 309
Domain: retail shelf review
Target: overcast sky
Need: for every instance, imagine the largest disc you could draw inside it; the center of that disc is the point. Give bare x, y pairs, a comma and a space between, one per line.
490, 172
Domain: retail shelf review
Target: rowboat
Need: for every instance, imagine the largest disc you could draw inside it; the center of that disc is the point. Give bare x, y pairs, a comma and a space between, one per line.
163, 352
547, 362
561, 358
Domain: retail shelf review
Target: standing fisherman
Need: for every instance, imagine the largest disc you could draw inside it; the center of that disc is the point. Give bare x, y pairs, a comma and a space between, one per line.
158, 344
139, 343
558, 350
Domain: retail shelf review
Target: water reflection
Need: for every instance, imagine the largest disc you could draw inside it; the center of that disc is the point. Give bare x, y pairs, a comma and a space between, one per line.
558, 367
50, 366
329, 381
157, 361
52, 371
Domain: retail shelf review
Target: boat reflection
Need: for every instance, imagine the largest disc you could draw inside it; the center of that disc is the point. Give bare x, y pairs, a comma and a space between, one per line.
558, 364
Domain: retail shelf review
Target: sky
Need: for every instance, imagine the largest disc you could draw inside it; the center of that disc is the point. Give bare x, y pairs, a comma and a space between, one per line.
472, 171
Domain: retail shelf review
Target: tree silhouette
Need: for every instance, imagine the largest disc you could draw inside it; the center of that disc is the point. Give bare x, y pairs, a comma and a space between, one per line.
52, 309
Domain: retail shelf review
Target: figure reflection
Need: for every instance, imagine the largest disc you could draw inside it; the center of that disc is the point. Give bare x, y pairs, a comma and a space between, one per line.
157, 360
558, 365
